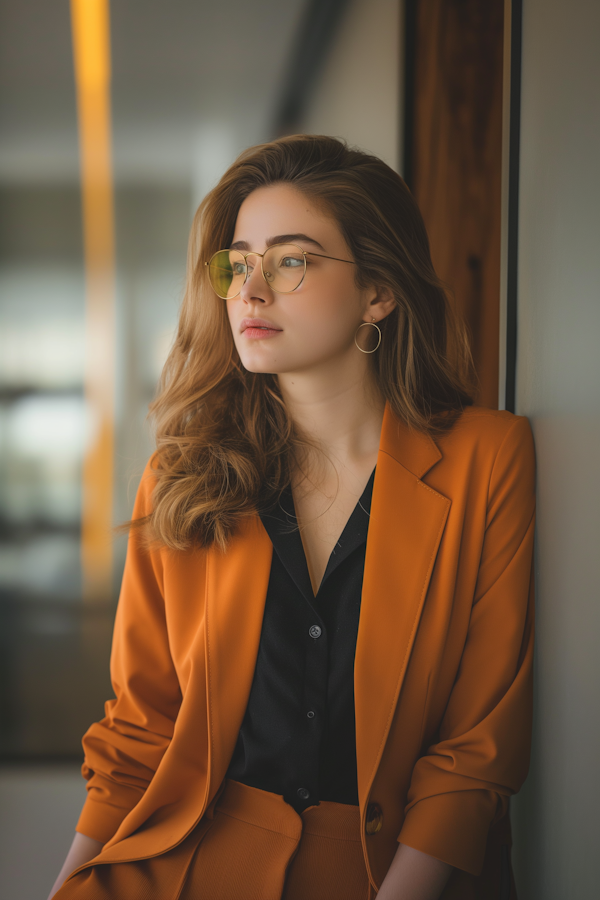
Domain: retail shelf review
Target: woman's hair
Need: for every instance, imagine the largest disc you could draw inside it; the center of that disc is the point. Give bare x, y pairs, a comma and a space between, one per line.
225, 443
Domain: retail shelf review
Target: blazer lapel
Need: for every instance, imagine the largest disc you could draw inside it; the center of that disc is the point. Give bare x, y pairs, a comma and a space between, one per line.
236, 590
407, 523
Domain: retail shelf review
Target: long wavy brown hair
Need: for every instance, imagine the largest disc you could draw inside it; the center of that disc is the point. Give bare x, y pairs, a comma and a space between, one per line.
225, 442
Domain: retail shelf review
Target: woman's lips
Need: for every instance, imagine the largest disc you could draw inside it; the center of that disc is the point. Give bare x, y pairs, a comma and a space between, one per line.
254, 333
258, 329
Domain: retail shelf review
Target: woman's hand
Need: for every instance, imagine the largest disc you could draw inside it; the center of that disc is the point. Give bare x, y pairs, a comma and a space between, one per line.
414, 876
82, 850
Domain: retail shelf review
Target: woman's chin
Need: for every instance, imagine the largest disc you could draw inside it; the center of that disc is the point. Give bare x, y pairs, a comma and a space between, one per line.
261, 367
264, 363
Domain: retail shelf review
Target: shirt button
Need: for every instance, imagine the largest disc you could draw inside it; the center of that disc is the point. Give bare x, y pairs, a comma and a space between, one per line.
303, 793
310, 714
315, 631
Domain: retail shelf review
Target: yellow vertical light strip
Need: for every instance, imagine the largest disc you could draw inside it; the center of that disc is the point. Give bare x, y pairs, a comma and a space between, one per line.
91, 50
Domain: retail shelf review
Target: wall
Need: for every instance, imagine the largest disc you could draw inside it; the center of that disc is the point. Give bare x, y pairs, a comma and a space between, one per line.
359, 95
558, 387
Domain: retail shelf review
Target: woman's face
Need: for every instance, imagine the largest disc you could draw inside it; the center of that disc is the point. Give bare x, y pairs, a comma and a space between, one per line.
314, 325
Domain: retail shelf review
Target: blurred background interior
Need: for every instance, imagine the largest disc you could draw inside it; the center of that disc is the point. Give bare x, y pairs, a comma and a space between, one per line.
115, 122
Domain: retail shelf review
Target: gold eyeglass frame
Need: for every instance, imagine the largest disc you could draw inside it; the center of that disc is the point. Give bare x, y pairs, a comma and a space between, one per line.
305, 253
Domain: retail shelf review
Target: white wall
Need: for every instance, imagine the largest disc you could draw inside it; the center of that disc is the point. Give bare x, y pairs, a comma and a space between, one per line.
556, 817
358, 96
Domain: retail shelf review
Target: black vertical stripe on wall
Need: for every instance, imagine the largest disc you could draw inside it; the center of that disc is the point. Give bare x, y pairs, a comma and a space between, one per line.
316, 33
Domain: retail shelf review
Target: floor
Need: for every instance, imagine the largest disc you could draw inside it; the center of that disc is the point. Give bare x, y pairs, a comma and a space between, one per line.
39, 806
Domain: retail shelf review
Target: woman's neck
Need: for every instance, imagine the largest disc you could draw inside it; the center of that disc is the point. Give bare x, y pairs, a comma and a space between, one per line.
340, 417
341, 422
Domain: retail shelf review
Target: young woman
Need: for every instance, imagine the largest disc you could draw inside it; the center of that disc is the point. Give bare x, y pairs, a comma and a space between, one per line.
322, 653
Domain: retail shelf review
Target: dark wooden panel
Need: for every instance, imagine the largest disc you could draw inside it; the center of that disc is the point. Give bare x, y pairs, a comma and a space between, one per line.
456, 159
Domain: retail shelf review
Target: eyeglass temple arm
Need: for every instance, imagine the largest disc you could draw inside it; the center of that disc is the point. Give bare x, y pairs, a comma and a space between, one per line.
322, 255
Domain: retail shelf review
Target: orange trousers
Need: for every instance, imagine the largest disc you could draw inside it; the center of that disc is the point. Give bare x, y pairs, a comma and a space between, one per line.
250, 845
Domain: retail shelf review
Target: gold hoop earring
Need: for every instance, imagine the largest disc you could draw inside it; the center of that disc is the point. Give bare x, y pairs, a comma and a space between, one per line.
373, 325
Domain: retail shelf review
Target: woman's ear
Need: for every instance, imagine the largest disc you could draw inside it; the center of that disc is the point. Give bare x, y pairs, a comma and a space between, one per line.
381, 303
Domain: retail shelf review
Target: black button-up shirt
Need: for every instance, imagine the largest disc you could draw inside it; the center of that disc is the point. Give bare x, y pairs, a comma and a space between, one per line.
298, 734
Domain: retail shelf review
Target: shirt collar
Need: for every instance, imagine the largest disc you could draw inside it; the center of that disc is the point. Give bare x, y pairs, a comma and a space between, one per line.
281, 525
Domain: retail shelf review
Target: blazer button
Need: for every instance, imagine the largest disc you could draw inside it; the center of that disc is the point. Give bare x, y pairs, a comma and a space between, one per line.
374, 821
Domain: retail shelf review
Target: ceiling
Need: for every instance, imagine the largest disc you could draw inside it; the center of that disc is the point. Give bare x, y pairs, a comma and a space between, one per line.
193, 82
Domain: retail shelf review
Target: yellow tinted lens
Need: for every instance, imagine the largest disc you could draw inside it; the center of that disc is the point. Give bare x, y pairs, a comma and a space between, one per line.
227, 273
284, 267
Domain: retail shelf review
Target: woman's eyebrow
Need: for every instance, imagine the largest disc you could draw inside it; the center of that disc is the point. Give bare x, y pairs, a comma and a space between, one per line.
279, 239
286, 238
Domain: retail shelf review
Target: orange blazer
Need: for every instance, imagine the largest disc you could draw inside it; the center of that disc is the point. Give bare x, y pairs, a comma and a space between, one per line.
442, 672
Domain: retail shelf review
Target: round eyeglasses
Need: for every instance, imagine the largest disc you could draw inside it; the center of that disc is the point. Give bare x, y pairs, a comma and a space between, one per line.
283, 267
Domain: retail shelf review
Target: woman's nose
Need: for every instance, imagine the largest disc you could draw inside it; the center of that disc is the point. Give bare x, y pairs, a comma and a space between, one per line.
255, 287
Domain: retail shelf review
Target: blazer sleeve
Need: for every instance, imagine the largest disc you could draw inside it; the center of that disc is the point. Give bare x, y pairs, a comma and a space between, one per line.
481, 756
123, 750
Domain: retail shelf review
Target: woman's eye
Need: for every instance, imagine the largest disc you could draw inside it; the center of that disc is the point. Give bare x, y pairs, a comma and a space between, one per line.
291, 262
239, 268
